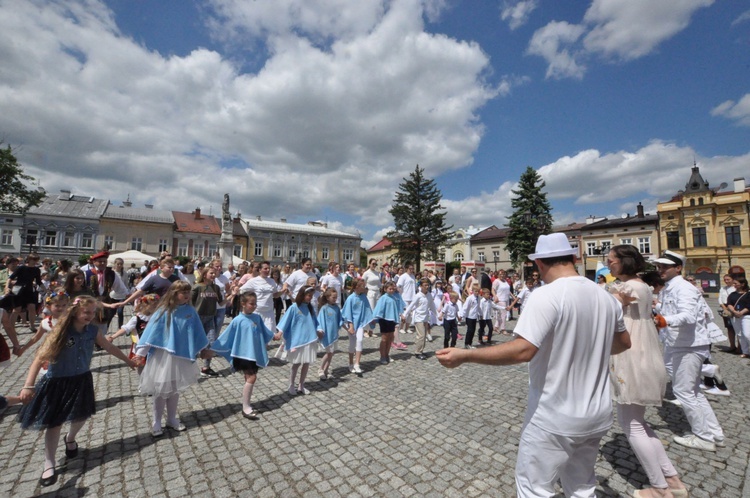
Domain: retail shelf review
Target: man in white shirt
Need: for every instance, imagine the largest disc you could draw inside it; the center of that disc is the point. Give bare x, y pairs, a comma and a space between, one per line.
298, 278
686, 346
566, 344
407, 287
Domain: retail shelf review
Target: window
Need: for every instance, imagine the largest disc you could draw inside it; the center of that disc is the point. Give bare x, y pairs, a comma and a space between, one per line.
591, 249
258, 249
212, 250
182, 248
495, 255
699, 237
50, 238
292, 253
324, 253
31, 236
87, 241
306, 252
7, 237
163, 244
110, 241
198, 249
237, 250
606, 245
627, 241
69, 239
480, 256
733, 236
644, 245
700, 201
348, 254
673, 240
136, 244
277, 250
459, 256
692, 202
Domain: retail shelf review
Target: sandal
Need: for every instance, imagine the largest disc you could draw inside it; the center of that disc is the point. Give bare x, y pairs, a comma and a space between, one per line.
70, 452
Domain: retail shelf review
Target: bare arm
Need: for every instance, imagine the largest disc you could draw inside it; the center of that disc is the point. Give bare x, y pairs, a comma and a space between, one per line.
621, 342
114, 350
516, 351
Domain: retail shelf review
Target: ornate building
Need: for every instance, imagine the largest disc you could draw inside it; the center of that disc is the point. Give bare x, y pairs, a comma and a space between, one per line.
709, 226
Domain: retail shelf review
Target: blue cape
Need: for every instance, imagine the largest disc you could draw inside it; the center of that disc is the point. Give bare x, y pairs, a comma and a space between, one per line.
389, 307
181, 334
299, 327
246, 338
357, 311
329, 321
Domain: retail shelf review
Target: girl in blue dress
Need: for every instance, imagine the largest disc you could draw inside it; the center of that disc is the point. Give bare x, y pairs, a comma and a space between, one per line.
329, 323
66, 392
357, 315
388, 314
243, 344
299, 327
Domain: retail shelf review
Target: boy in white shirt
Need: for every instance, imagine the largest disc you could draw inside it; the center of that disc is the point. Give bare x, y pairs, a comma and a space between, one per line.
486, 306
450, 312
471, 314
421, 305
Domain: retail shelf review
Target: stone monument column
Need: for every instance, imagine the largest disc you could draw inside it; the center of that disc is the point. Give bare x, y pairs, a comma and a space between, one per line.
226, 242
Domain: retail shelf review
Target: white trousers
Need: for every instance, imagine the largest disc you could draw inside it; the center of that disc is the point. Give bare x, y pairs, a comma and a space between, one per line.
543, 458
686, 378
356, 340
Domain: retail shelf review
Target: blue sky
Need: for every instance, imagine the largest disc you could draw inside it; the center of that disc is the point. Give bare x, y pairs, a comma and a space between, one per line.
316, 109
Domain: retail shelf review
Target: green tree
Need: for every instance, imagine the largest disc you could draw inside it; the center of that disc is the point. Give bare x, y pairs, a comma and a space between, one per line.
531, 216
419, 218
15, 197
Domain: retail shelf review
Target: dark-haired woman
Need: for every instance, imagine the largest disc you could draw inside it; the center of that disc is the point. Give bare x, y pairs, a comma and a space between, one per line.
638, 376
738, 304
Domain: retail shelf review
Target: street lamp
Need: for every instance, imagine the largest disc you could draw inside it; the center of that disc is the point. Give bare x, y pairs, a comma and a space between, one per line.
528, 219
728, 249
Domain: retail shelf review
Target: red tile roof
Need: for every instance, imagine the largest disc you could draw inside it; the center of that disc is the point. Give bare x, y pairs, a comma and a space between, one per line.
380, 246
188, 222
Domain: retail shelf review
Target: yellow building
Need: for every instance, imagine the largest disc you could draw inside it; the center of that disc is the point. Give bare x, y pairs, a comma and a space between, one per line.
708, 226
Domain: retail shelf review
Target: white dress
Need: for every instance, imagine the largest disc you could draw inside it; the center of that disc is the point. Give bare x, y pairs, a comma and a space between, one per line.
638, 376
166, 374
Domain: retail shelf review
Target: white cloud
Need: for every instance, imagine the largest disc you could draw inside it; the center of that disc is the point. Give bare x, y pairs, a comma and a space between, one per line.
615, 30
551, 42
738, 111
517, 13
316, 126
657, 170
376, 237
745, 16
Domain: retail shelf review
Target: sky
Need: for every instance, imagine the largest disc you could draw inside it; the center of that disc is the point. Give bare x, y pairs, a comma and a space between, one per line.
318, 109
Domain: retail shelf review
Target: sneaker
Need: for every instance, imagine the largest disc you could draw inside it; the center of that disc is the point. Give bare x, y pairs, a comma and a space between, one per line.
351, 368
157, 432
356, 369
176, 426
322, 375
429, 337
384, 361
470, 347
675, 402
292, 390
720, 443
703, 386
718, 392
304, 390
420, 356
208, 372
401, 346
693, 441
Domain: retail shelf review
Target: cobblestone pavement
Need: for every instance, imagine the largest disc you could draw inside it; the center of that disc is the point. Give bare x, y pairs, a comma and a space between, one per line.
411, 428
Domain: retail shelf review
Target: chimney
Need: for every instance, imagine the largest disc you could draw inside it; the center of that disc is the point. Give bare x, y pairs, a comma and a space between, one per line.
258, 218
149, 206
640, 210
127, 204
197, 213
283, 220
739, 185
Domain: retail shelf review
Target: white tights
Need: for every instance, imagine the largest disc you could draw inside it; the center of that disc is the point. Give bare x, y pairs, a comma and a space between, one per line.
645, 444
170, 403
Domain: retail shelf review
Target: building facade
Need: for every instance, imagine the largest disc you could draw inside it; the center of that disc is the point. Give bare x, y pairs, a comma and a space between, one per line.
148, 230
708, 226
489, 246
196, 235
280, 242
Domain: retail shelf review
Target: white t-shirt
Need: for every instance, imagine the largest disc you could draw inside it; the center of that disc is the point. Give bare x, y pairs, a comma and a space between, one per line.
297, 280
372, 280
572, 321
264, 288
502, 290
329, 280
407, 286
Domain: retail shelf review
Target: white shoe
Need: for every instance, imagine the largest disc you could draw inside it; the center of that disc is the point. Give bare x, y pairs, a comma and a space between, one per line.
718, 392
292, 390
429, 337
693, 441
356, 369
702, 386
351, 368
720, 443
675, 402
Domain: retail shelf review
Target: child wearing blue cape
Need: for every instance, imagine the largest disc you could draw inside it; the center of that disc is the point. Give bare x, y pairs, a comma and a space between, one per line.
357, 315
169, 346
299, 327
329, 323
388, 313
243, 344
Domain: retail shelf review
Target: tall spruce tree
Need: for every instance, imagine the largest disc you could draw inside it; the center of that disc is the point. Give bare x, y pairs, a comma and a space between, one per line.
531, 216
419, 219
15, 197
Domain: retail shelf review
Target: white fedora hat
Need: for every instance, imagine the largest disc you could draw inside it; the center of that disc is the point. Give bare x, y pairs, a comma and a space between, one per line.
552, 246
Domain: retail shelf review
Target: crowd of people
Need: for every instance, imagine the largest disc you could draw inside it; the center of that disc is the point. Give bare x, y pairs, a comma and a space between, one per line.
572, 332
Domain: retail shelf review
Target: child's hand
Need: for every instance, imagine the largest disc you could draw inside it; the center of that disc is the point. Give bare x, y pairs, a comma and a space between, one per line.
139, 361
26, 395
320, 334
19, 350
277, 336
351, 330
110, 338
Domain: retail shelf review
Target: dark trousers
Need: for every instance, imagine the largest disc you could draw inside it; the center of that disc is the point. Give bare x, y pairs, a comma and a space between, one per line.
471, 327
278, 307
482, 325
451, 333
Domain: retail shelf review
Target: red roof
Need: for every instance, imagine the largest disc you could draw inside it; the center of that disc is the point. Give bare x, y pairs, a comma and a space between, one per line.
195, 222
381, 246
